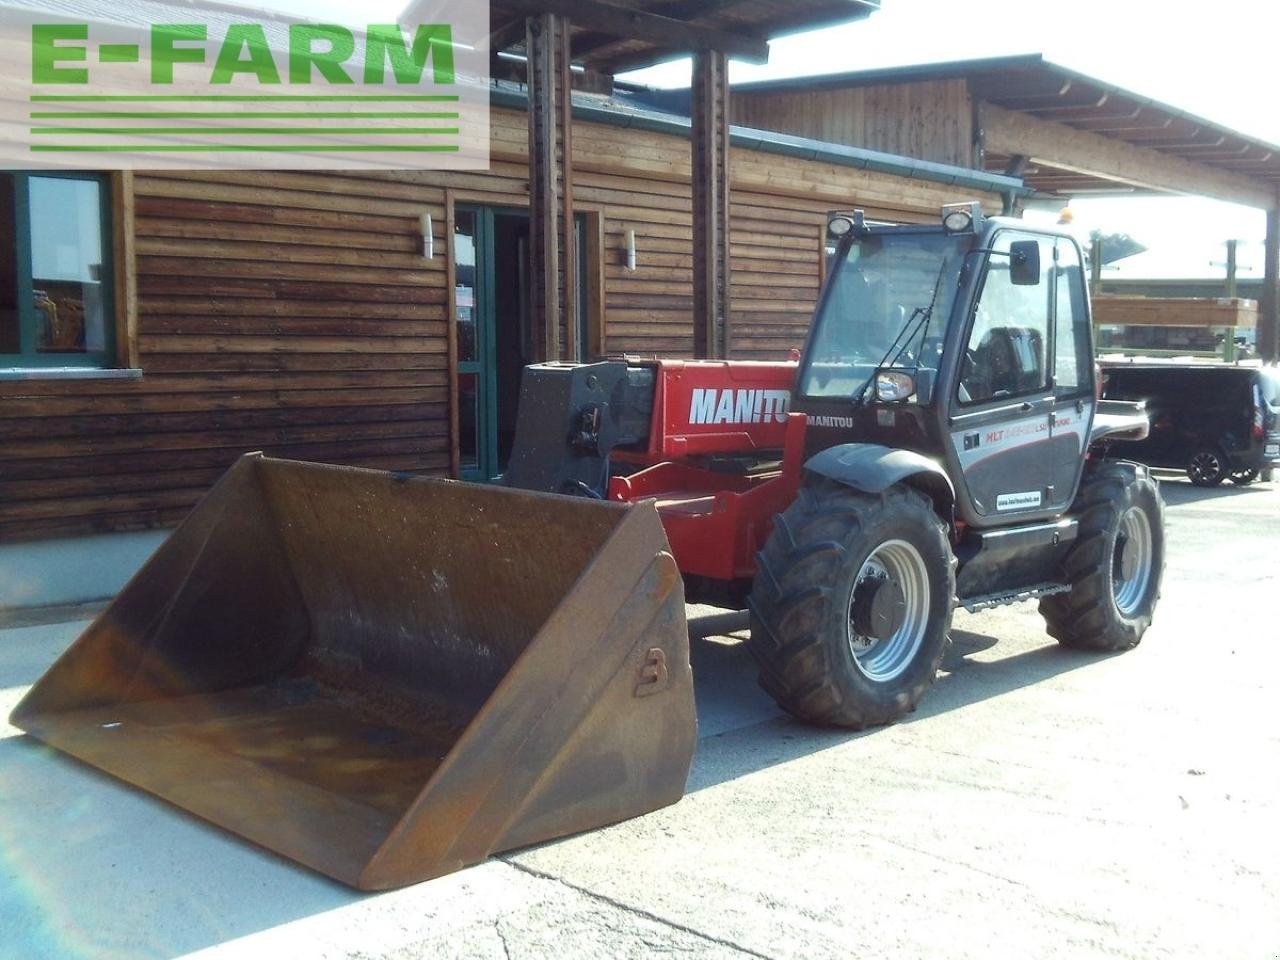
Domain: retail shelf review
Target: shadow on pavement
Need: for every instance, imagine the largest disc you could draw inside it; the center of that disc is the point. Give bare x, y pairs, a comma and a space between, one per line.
92, 867
1179, 492
724, 680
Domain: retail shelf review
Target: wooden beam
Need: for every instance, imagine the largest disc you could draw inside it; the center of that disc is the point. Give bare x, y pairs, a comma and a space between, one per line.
1017, 168
552, 248
709, 138
1057, 145
1269, 305
587, 44
650, 27
125, 267
517, 71
451, 288
507, 35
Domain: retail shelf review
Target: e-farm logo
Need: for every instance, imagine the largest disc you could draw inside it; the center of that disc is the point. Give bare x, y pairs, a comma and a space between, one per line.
244, 50
258, 90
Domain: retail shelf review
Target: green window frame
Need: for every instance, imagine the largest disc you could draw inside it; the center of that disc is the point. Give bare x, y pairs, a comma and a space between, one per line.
27, 315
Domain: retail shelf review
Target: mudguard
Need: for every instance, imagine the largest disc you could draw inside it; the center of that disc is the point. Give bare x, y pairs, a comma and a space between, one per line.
872, 468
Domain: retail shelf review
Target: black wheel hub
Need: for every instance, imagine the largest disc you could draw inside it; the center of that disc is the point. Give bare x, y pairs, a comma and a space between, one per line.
1127, 560
879, 608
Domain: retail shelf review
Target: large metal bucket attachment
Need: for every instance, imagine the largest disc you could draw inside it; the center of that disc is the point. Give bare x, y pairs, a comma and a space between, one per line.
388, 678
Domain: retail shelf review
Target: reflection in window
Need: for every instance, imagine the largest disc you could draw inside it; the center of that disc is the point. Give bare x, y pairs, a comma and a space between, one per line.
55, 292
465, 283
1071, 338
66, 265
1007, 350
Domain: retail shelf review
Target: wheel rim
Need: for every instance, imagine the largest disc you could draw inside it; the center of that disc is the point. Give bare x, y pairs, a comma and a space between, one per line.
885, 658
1133, 550
1206, 466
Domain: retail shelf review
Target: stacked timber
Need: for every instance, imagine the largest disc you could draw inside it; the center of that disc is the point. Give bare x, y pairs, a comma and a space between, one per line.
1204, 313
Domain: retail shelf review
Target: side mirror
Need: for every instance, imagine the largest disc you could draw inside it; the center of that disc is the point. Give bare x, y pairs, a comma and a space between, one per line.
1024, 263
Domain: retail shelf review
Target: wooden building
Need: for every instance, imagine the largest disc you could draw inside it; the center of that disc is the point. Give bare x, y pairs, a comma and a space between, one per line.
297, 313
303, 314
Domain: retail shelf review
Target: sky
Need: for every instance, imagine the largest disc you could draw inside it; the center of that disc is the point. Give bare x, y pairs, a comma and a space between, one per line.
1217, 60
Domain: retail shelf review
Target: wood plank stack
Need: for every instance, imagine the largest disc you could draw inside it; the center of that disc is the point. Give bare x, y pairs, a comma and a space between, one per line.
1110, 310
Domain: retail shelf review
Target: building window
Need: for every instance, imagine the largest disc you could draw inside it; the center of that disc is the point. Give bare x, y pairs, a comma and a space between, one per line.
56, 301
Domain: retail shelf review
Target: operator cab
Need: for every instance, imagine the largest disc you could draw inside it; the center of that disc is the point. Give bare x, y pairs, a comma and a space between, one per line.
967, 341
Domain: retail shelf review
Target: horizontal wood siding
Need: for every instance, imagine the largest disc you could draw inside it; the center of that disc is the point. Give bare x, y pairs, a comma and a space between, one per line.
291, 313
930, 120
284, 312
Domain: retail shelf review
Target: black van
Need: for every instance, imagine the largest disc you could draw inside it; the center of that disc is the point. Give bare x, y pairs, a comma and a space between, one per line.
1215, 422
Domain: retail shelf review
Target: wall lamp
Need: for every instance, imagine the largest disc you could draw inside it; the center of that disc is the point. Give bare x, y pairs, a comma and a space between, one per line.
631, 251
428, 238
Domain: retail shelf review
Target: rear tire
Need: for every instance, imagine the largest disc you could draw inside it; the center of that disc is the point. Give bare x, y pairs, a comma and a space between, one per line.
1242, 478
838, 559
1113, 595
1207, 467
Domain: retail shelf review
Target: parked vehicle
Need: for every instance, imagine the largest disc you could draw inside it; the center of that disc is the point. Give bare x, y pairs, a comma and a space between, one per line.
1215, 422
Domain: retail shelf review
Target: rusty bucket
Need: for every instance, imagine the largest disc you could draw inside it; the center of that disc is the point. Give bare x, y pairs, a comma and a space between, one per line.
388, 678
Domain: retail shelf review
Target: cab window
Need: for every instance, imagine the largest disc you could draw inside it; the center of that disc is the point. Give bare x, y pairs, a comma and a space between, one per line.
1072, 376
1007, 352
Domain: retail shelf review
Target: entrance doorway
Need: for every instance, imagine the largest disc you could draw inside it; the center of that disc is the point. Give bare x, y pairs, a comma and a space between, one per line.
495, 331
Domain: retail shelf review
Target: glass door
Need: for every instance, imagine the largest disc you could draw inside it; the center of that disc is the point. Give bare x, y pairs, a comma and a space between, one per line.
494, 333
473, 298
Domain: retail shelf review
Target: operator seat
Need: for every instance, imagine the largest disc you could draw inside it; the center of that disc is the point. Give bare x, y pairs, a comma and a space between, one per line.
1007, 362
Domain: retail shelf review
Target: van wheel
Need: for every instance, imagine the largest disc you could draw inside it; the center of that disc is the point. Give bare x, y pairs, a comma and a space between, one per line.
1207, 467
1116, 565
1244, 477
851, 605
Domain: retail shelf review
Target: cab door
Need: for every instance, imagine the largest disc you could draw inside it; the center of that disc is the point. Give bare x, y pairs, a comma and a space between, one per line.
1073, 378
1003, 403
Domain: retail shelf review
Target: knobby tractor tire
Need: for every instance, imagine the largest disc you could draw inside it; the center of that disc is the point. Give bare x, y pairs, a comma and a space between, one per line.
801, 597
1090, 616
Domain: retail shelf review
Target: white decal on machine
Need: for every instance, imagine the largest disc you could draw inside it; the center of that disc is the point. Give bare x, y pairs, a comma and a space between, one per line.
824, 421
739, 406
1019, 501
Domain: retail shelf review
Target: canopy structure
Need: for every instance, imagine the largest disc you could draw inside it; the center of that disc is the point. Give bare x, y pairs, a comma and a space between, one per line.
1068, 134
622, 35
555, 45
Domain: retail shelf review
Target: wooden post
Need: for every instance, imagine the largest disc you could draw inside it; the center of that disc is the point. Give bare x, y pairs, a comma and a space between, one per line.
1229, 340
710, 144
1269, 307
1095, 267
552, 251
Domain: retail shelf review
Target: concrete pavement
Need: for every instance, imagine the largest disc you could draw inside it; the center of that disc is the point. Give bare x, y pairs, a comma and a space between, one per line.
1041, 803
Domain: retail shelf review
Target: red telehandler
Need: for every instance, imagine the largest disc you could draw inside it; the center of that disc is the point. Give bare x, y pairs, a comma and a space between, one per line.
388, 677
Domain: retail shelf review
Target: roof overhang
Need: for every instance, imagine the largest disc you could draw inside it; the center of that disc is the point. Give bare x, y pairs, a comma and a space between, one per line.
613, 36
1069, 134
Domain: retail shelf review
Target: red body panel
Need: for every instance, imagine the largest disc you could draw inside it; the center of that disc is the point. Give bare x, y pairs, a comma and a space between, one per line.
719, 406
717, 521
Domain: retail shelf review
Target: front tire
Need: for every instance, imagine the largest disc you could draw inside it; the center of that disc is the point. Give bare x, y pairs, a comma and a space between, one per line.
851, 606
1116, 565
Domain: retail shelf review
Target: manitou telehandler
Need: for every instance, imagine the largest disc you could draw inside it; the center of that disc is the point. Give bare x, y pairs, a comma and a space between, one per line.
388, 677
